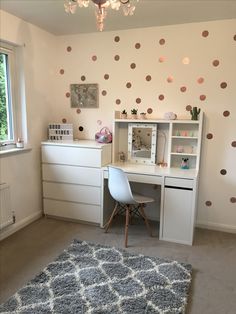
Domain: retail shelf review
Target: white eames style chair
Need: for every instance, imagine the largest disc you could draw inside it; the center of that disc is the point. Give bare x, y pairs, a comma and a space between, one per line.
126, 202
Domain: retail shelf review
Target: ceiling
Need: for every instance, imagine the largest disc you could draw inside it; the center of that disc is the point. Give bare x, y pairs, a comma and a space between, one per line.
50, 14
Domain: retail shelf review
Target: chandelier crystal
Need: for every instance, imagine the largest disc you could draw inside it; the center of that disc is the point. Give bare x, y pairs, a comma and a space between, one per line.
101, 7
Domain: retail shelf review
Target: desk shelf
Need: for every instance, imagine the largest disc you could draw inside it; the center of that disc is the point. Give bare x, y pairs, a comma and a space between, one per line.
186, 137
172, 136
183, 154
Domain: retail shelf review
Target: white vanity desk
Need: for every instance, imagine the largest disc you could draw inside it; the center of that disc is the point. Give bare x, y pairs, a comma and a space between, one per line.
175, 189
178, 197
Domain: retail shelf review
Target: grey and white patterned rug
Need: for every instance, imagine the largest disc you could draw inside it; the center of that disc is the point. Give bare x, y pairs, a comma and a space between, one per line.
93, 279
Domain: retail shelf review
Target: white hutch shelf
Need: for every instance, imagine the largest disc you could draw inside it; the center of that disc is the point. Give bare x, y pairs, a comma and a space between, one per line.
177, 139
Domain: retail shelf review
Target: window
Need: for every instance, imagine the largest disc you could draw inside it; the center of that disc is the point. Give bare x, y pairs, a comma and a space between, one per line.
7, 97
12, 102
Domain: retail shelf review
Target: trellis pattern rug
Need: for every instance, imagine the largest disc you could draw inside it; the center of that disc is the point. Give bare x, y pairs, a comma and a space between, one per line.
93, 279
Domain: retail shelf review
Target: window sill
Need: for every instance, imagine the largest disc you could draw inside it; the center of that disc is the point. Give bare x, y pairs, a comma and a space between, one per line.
14, 150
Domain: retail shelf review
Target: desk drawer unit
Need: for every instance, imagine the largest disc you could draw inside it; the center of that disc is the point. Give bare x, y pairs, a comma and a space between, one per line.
143, 178
85, 212
178, 210
72, 192
74, 156
72, 180
72, 174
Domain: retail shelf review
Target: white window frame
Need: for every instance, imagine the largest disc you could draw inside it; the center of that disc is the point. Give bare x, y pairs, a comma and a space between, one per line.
12, 90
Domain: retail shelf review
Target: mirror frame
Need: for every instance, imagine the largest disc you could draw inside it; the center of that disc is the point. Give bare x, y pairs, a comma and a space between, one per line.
152, 159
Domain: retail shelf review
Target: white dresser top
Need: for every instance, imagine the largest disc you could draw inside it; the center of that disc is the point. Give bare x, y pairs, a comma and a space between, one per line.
76, 143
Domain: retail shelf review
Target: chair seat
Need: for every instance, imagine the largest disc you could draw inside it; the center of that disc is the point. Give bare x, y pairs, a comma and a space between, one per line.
141, 199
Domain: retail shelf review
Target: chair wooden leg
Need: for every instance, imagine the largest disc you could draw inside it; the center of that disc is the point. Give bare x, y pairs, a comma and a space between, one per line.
127, 224
142, 213
108, 224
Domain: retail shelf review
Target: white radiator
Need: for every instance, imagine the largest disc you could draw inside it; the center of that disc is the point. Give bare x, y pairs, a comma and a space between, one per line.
6, 214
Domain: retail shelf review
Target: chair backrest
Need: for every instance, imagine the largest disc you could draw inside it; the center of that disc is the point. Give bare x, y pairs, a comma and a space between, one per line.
119, 186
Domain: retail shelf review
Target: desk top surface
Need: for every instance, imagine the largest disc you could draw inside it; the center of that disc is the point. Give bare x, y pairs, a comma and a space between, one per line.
154, 170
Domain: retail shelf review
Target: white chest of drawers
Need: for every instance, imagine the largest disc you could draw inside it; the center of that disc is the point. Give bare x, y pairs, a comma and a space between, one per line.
73, 180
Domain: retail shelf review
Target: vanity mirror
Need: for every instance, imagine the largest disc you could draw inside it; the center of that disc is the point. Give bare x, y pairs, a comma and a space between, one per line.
142, 143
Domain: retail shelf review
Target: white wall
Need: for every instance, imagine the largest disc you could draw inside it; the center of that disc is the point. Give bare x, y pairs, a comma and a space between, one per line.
22, 171
181, 41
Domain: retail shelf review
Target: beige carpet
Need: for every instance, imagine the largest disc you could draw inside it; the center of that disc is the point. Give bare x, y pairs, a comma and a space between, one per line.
213, 258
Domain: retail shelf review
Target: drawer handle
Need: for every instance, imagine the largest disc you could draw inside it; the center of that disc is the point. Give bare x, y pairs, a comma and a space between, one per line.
177, 188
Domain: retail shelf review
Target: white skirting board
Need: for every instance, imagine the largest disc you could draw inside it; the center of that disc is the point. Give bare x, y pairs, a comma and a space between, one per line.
216, 227
20, 224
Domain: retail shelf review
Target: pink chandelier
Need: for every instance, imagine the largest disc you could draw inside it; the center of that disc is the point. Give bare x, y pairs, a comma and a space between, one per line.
101, 7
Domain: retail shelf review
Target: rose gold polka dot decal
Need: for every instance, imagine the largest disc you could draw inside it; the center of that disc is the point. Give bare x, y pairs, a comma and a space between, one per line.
64, 120
137, 45
138, 100
223, 85
78, 110
106, 76
62, 71
69, 49
233, 199
223, 172
81, 128
170, 79
186, 60
162, 41
148, 78
183, 89
149, 111
118, 101
117, 39
216, 63
67, 94
128, 85
209, 136
233, 144
200, 80
133, 65
162, 59
208, 203
226, 113
188, 107
83, 78
94, 58
235, 37
104, 93
202, 97
117, 58
205, 34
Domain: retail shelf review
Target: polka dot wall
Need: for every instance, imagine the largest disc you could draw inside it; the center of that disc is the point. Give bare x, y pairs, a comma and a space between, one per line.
157, 70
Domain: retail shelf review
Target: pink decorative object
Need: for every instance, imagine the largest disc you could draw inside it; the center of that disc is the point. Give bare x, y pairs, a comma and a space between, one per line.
104, 136
179, 149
